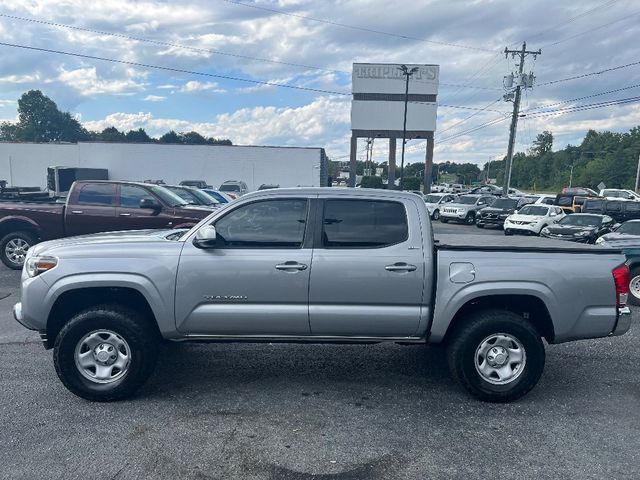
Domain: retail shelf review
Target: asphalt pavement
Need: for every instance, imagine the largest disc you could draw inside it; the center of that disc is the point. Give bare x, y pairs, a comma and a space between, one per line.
245, 411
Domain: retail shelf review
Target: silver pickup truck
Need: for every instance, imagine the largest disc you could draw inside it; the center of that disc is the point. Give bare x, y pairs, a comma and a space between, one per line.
317, 265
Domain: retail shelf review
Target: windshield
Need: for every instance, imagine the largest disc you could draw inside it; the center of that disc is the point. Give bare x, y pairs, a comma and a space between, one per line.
217, 195
167, 196
581, 221
205, 198
505, 203
185, 195
229, 187
432, 198
629, 228
533, 210
467, 200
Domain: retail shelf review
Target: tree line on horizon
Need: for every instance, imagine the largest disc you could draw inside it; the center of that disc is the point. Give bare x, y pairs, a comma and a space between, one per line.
40, 120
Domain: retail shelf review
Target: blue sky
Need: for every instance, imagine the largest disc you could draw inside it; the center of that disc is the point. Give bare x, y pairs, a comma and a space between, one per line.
464, 37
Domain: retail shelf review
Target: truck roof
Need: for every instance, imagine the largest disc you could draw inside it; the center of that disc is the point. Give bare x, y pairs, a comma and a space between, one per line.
338, 192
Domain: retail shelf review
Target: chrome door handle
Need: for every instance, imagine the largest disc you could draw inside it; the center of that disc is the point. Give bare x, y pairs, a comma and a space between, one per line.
291, 266
125, 214
76, 212
400, 267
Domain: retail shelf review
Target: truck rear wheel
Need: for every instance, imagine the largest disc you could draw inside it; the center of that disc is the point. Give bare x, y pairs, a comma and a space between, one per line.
634, 287
14, 246
470, 219
105, 353
496, 355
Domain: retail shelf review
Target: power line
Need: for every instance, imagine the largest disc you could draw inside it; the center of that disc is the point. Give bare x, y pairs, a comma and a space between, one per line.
626, 17
581, 98
573, 19
173, 69
470, 116
355, 27
619, 67
170, 44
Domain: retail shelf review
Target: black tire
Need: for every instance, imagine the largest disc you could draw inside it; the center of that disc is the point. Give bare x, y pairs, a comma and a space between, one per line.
470, 219
141, 338
508, 232
22, 237
635, 272
470, 334
479, 225
444, 220
436, 214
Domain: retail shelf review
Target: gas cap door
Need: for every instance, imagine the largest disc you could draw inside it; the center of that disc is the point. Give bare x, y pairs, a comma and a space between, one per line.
462, 272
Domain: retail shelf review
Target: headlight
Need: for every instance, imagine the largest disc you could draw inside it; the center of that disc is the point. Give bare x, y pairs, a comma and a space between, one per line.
600, 241
545, 230
584, 233
34, 266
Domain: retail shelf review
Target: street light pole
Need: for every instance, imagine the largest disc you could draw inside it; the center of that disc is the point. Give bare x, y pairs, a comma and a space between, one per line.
637, 175
407, 73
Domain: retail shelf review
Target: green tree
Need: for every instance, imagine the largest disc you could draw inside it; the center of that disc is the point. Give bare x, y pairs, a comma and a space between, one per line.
40, 120
138, 136
543, 143
170, 137
192, 138
112, 134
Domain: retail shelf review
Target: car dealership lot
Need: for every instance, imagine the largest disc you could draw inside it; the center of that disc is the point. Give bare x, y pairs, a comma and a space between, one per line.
320, 411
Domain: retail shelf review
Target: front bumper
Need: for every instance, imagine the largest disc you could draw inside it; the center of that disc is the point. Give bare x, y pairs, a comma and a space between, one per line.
497, 221
452, 215
17, 314
569, 238
623, 323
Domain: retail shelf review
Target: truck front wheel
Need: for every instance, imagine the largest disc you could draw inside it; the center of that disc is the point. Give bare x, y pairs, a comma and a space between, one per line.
496, 355
105, 353
14, 246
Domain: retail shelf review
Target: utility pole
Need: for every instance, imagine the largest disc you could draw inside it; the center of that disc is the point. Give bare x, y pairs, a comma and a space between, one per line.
637, 175
407, 73
488, 170
522, 81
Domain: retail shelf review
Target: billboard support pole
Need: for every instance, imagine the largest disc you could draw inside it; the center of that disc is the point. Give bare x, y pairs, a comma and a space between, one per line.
352, 160
428, 164
391, 172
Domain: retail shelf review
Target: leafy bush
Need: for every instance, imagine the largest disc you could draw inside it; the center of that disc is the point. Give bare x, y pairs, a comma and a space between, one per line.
371, 182
411, 183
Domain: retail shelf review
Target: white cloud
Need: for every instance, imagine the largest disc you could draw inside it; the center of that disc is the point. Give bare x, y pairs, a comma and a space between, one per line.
8, 103
87, 83
195, 86
154, 98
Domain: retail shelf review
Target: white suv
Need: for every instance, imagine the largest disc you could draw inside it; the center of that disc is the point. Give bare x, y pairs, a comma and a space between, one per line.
532, 218
236, 187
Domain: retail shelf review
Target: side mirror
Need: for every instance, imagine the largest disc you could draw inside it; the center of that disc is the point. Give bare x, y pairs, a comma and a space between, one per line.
150, 203
553, 214
515, 211
205, 237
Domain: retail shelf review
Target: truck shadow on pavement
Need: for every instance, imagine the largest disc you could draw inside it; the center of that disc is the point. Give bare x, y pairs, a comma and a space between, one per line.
206, 368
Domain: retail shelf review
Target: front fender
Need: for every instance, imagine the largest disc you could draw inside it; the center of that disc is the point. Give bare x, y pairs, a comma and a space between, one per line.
161, 303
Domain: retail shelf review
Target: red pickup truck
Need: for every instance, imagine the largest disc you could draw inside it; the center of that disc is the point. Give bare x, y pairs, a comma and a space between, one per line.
91, 206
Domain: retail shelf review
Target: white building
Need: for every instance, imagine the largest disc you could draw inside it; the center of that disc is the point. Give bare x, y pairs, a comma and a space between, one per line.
25, 164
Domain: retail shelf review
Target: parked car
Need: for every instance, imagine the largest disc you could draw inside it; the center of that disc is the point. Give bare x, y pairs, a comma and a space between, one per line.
264, 270
579, 191
465, 208
220, 196
487, 190
195, 196
458, 188
91, 206
619, 194
531, 219
442, 188
580, 227
234, 187
195, 183
434, 201
625, 233
546, 199
495, 214
619, 210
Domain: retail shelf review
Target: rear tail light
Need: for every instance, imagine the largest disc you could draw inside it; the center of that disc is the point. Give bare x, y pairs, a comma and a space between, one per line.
621, 278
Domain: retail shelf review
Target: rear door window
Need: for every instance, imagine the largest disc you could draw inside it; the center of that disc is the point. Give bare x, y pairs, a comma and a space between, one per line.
363, 224
96, 194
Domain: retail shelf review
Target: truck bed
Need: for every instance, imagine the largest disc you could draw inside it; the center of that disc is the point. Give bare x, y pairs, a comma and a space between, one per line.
515, 244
